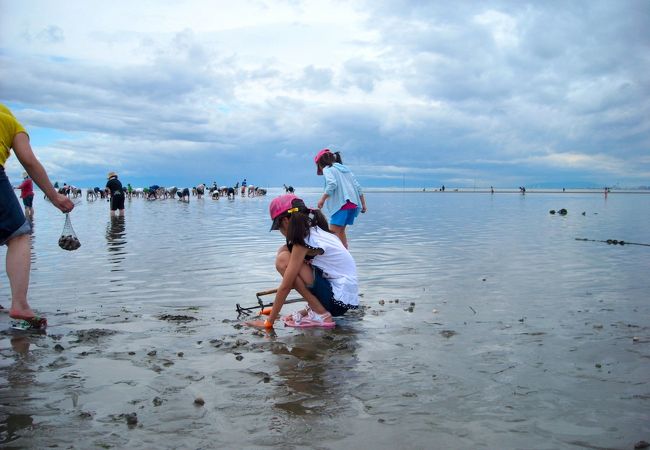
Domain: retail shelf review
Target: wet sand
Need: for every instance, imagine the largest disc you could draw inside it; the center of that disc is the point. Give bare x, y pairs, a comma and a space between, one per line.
119, 378
448, 351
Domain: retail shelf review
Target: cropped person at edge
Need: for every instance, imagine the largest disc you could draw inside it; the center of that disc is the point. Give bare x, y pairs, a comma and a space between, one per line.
14, 228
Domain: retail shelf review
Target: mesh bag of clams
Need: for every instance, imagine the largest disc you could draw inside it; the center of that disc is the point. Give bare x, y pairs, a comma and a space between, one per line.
68, 239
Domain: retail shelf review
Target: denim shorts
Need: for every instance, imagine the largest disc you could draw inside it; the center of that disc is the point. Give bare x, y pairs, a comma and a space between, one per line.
12, 218
344, 217
322, 289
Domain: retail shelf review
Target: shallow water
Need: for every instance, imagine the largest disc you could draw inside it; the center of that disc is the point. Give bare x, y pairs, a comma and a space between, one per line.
520, 336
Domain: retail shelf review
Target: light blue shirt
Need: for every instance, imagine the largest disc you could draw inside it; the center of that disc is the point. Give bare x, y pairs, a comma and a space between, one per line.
341, 185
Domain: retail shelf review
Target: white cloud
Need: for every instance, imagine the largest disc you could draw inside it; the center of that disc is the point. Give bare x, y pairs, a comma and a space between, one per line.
502, 27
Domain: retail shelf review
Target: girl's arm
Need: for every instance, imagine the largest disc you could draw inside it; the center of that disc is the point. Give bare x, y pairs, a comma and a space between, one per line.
363, 203
357, 186
296, 261
330, 186
322, 200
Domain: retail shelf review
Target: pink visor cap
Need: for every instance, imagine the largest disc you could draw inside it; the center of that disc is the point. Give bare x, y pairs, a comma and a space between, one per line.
281, 205
319, 171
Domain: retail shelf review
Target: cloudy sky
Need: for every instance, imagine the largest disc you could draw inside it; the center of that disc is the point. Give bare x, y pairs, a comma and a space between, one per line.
415, 93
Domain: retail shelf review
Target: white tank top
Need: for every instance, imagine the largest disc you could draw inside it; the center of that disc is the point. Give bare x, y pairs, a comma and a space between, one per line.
337, 265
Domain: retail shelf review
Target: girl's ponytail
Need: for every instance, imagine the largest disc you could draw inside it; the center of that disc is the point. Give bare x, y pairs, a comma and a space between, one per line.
301, 221
337, 157
317, 219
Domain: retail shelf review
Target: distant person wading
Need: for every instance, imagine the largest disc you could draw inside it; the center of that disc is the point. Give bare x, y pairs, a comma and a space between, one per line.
27, 195
116, 192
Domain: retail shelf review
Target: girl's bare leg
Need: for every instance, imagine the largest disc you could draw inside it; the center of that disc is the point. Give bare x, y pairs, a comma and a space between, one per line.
305, 278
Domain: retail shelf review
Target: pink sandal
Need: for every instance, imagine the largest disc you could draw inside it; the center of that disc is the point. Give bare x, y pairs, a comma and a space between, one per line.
311, 320
296, 316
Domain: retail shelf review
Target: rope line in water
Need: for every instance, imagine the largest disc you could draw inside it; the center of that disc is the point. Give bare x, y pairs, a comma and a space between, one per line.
612, 242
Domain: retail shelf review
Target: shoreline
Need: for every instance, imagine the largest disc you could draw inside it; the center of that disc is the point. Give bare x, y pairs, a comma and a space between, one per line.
425, 190
503, 191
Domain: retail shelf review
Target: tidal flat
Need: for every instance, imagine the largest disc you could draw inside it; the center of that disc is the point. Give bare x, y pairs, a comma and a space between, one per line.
485, 323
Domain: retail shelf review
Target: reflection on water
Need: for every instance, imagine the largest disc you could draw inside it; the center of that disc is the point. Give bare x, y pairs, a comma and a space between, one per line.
18, 381
316, 368
115, 241
20, 344
11, 426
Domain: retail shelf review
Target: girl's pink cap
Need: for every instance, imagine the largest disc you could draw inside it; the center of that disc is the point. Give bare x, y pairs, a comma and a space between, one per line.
280, 205
319, 171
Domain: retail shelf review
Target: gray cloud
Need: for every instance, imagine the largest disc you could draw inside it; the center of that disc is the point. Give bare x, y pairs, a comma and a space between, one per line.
317, 79
51, 35
362, 74
502, 91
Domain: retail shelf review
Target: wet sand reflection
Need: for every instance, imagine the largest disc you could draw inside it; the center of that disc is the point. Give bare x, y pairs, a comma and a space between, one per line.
315, 367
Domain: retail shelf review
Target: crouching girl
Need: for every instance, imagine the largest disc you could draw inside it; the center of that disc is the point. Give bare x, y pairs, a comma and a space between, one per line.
314, 262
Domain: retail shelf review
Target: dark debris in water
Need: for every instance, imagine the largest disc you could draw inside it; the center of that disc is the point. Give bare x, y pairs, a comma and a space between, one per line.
92, 335
448, 333
178, 318
612, 242
130, 418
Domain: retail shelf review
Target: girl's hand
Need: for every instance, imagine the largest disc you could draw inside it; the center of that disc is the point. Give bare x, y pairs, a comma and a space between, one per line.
264, 324
322, 200
364, 209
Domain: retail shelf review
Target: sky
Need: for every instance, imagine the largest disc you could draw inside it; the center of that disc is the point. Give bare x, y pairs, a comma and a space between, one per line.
412, 93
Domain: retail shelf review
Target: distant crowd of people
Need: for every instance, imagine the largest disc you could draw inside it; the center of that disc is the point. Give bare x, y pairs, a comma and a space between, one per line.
116, 193
155, 192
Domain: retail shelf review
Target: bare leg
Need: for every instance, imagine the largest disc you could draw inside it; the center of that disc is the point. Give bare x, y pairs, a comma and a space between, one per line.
305, 278
18, 266
340, 232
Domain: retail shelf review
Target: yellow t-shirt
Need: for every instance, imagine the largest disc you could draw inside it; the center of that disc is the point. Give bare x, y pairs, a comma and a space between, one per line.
9, 127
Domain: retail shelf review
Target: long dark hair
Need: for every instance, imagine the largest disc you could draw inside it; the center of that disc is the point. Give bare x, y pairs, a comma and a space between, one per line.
329, 158
301, 221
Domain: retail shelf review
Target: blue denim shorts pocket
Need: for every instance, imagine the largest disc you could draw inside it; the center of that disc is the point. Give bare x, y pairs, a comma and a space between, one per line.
322, 289
12, 218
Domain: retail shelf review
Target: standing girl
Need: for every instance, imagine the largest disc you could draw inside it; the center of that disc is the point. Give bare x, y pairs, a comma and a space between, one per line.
342, 195
314, 262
